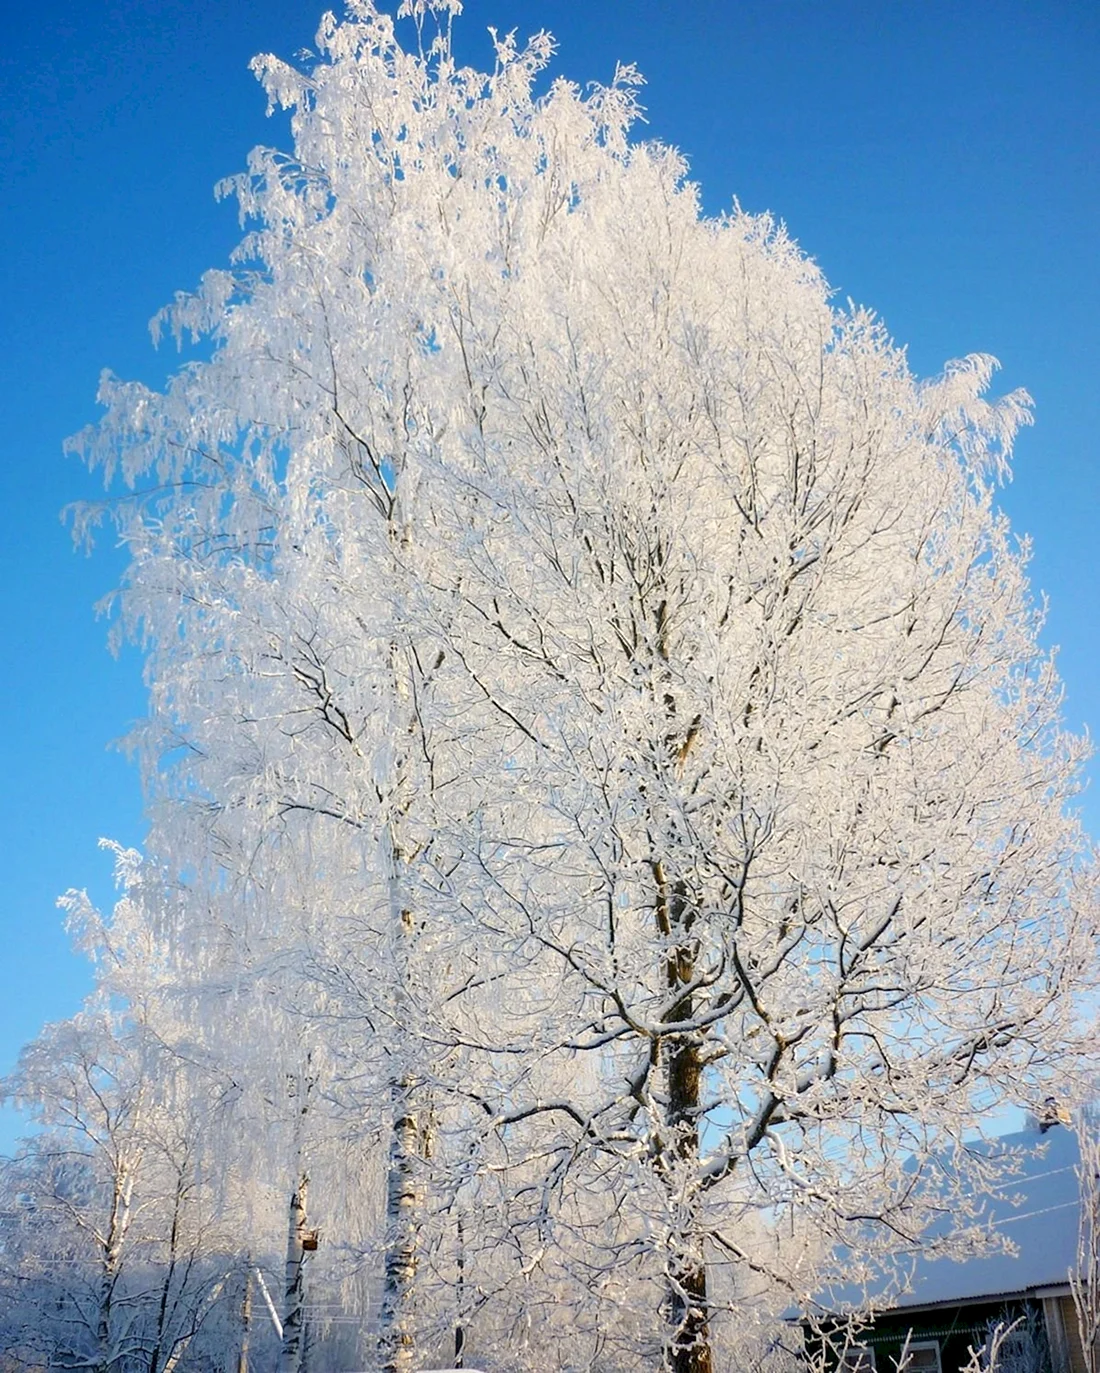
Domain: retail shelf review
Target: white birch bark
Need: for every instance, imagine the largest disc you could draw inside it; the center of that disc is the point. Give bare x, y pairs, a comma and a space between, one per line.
292, 1350
110, 1262
294, 1285
404, 1189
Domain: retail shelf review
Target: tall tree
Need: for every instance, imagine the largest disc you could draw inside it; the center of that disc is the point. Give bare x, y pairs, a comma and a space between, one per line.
607, 643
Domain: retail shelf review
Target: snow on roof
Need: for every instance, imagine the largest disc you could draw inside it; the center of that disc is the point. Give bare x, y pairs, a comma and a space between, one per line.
1037, 1209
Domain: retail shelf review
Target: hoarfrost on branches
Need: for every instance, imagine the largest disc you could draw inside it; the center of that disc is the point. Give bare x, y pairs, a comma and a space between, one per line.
596, 718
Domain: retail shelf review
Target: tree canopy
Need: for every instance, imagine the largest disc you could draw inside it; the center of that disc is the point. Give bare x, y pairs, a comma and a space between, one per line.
599, 743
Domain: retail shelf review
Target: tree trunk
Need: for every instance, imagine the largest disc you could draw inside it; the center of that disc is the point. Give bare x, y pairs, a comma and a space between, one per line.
180, 1346
398, 1332
460, 1328
246, 1319
689, 1321
402, 1206
688, 1348
166, 1284
110, 1266
403, 1199
290, 1357
103, 1322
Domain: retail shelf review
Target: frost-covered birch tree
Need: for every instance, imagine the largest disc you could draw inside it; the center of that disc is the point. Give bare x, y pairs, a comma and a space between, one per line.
114, 1247
602, 672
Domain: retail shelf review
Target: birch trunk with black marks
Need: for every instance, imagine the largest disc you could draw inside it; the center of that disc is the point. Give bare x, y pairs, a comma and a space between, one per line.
403, 1201
404, 1197
290, 1356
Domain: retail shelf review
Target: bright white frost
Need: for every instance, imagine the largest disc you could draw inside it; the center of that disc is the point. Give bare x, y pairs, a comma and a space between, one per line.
590, 663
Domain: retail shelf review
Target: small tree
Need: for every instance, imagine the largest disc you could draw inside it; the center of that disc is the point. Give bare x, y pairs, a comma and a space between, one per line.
126, 1220
113, 1248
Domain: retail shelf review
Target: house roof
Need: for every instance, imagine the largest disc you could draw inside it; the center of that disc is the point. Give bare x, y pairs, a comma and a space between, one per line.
1036, 1209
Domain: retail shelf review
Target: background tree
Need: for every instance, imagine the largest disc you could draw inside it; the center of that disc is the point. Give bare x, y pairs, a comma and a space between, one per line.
113, 1256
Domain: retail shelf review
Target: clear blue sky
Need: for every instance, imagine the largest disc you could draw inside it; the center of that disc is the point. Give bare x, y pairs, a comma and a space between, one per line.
940, 161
